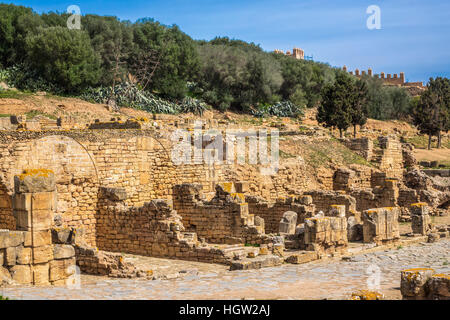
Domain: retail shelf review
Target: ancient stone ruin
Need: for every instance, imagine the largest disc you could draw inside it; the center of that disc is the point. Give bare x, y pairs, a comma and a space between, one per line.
80, 199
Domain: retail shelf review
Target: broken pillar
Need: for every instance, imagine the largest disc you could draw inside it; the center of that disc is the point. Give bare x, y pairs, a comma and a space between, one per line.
326, 234
34, 203
381, 225
420, 219
288, 222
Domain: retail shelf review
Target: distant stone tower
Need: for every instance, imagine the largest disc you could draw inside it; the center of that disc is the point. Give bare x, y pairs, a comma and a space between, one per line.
298, 53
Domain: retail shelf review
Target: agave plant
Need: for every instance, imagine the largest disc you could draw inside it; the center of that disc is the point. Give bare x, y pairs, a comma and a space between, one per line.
279, 109
193, 105
4, 75
128, 95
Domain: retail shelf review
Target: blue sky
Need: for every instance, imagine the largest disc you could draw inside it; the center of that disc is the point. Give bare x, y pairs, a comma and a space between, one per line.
414, 35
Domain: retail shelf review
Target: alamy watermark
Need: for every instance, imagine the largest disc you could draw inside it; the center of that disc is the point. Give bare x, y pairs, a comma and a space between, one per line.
237, 146
374, 20
374, 277
74, 21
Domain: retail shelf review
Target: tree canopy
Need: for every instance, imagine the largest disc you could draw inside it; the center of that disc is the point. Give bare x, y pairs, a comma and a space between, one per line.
343, 103
41, 53
431, 114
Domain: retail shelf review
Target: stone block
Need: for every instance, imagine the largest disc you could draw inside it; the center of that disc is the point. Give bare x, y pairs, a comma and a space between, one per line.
5, 276
263, 250
37, 238
325, 233
63, 251
23, 255
41, 274
259, 224
413, 283
36, 219
10, 256
21, 201
337, 211
42, 220
380, 225
42, 254
439, 287
35, 180
288, 222
278, 249
61, 269
242, 187
61, 235
44, 201
421, 224
226, 187
11, 239
367, 295
303, 257
21, 274
418, 209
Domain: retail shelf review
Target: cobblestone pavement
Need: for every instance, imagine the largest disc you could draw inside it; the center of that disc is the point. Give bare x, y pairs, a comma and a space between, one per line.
328, 279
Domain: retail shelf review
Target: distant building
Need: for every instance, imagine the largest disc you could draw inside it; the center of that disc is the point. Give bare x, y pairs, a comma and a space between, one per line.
396, 79
297, 53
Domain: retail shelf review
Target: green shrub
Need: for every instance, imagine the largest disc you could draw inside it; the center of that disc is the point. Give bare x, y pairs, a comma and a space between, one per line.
279, 109
64, 57
193, 105
128, 95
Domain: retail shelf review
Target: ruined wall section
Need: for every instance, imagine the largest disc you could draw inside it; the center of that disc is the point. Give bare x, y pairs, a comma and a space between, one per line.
225, 219
137, 160
154, 229
272, 212
324, 199
387, 154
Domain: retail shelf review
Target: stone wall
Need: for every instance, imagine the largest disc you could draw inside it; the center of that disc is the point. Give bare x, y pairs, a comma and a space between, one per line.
154, 229
391, 158
362, 146
324, 199
137, 160
357, 177
388, 155
378, 197
224, 219
272, 212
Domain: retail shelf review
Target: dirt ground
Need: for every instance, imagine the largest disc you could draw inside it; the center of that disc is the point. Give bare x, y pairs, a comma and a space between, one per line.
433, 154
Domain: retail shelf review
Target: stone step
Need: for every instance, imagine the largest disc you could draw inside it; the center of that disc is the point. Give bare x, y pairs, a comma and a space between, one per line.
258, 262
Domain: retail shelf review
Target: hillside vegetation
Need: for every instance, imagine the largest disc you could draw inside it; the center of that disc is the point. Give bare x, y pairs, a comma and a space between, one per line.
160, 69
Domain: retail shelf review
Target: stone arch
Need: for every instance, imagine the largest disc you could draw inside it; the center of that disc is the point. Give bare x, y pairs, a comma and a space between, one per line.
75, 173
